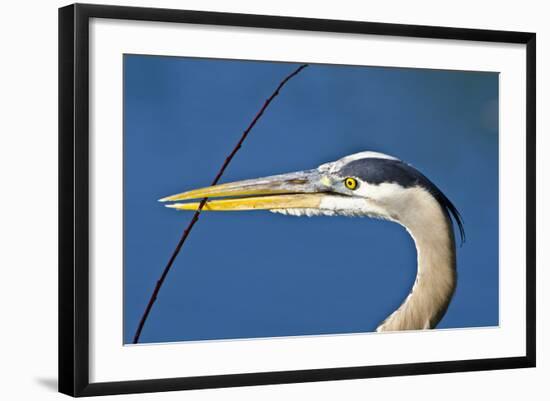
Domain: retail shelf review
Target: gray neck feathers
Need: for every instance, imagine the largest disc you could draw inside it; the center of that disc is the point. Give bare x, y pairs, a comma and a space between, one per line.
431, 229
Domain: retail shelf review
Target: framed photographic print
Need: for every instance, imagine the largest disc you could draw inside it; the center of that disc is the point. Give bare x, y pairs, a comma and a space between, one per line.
249, 199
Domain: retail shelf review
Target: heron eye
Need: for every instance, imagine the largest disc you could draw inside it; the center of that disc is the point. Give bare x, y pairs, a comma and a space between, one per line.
351, 183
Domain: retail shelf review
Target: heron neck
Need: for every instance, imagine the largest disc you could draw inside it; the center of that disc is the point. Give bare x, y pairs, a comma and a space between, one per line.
431, 229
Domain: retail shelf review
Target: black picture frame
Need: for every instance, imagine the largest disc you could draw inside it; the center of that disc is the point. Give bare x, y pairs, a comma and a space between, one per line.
74, 198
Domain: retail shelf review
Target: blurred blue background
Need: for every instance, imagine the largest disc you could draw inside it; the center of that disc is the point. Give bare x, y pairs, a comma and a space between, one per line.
258, 274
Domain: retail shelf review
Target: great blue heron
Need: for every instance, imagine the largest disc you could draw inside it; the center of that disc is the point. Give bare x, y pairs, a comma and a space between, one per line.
363, 184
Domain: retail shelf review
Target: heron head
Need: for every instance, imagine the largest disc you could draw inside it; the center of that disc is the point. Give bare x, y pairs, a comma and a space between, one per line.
363, 184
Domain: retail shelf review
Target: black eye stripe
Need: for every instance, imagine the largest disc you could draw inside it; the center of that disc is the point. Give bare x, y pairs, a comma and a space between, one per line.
377, 171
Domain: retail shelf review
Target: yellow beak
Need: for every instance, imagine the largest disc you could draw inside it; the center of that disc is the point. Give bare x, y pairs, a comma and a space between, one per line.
286, 191
289, 201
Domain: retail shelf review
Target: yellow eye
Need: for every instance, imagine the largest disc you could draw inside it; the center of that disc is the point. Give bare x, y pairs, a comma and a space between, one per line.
351, 183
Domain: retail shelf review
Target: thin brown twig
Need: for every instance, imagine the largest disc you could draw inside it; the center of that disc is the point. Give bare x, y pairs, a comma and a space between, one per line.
195, 217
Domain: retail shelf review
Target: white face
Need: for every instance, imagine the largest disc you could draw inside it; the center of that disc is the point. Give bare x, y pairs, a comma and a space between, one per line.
373, 200
382, 200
